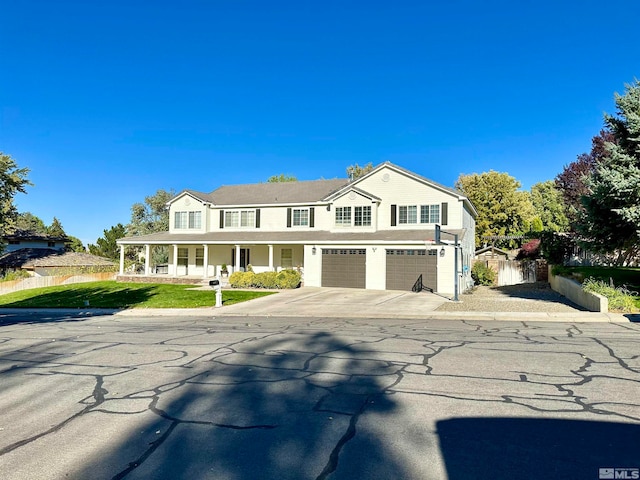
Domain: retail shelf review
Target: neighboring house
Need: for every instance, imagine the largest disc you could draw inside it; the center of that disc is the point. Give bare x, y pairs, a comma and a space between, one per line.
22, 239
42, 255
375, 232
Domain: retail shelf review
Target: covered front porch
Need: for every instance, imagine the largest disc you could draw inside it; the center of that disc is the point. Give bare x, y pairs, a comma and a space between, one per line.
208, 260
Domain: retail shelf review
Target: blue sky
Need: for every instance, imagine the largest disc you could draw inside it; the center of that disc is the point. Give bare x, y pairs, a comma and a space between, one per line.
106, 102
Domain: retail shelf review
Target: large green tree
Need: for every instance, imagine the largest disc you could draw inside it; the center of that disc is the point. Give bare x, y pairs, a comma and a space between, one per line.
106, 246
503, 209
28, 222
610, 222
151, 216
549, 206
12, 181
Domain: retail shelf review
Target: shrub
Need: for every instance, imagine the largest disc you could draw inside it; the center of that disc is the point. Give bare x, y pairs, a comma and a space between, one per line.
283, 279
15, 275
619, 298
530, 250
266, 280
242, 279
482, 274
288, 279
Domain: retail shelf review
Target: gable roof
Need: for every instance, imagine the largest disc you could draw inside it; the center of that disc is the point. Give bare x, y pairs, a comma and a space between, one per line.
269, 193
421, 179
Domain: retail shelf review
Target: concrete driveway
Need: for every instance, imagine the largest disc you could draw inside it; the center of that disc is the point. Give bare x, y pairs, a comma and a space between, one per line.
340, 302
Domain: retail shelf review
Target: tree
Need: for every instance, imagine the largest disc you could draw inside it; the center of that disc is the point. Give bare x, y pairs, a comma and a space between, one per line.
572, 181
12, 181
356, 171
282, 178
151, 216
610, 222
502, 208
28, 222
106, 246
56, 229
74, 244
549, 207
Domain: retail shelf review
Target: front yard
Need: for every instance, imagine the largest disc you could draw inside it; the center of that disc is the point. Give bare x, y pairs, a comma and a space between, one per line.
111, 294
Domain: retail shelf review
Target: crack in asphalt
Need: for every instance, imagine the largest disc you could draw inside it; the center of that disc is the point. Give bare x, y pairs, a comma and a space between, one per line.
333, 361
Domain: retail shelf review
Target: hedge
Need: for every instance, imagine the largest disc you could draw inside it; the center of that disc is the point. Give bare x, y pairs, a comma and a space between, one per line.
282, 279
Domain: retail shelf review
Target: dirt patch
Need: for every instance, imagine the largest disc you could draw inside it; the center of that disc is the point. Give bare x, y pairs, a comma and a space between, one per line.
526, 297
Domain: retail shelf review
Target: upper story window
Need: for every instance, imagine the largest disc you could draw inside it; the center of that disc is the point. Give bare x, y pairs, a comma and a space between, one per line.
423, 214
300, 217
240, 218
188, 219
407, 214
343, 216
362, 216
429, 213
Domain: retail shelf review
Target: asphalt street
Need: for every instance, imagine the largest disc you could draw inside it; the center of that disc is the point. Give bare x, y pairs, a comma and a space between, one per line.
245, 398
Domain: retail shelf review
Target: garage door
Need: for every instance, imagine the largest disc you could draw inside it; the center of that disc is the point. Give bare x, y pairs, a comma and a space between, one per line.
344, 267
406, 267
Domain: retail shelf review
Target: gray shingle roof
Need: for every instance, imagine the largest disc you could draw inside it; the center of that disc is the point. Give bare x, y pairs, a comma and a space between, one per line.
271, 193
46, 257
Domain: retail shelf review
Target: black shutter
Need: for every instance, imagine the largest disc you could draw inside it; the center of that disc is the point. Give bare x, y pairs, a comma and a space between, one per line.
221, 218
393, 215
288, 217
444, 210
233, 257
257, 218
312, 218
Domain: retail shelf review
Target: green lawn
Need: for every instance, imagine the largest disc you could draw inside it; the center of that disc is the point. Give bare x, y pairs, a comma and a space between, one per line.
112, 294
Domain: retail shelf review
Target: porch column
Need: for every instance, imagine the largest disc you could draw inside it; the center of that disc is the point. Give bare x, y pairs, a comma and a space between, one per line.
206, 260
237, 267
175, 260
121, 259
271, 258
147, 260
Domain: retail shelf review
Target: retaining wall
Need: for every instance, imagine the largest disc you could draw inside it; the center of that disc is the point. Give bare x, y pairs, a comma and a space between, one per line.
574, 292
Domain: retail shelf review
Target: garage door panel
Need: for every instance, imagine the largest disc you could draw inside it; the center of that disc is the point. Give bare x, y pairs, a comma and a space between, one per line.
404, 268
344, 268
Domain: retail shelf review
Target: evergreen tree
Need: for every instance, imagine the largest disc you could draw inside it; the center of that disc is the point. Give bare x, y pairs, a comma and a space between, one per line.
12, 181
611, 218
56, 229
106, 246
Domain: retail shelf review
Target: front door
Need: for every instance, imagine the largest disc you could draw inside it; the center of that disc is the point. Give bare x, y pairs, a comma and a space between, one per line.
244, 259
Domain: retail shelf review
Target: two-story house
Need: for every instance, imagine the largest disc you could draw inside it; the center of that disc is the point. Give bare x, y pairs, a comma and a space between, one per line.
375, 232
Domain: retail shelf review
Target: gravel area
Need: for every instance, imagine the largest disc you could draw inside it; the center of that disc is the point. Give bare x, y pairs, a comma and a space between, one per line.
526, 297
